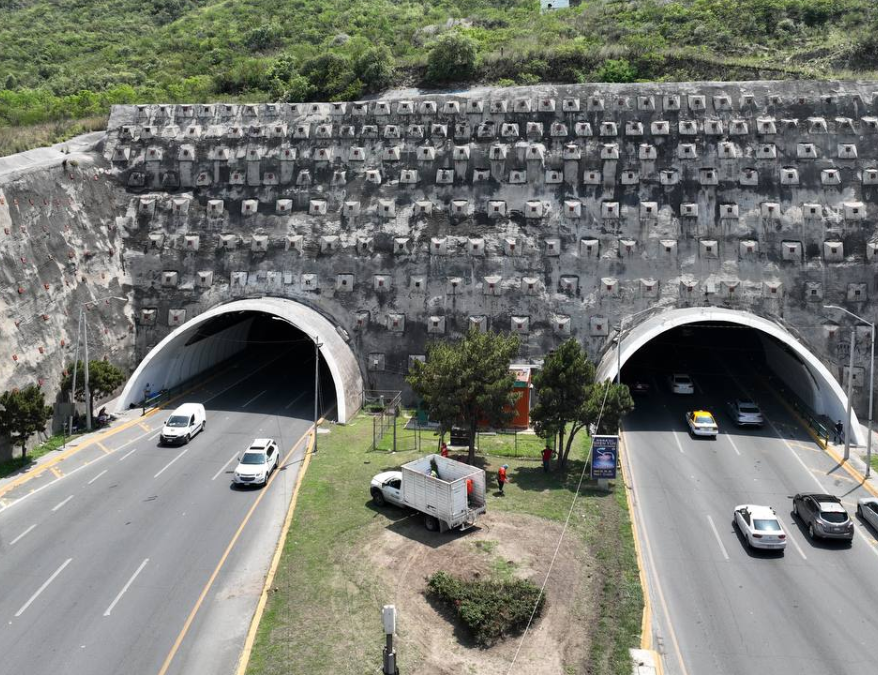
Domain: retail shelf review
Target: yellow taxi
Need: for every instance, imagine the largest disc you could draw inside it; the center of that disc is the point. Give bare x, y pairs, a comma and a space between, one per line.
702, 423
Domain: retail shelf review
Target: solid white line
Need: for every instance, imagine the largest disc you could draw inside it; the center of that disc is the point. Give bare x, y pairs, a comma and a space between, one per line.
60, 504
718, 540
254, 398
224, 466
790, 537
679, 445
738, 452
43, 587
171, 462
98, 476
127, 454
22, 534
294, 400
125, 587
155, 435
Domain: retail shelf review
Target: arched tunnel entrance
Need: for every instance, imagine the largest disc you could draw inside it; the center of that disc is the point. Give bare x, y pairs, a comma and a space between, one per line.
727, 353
274, 334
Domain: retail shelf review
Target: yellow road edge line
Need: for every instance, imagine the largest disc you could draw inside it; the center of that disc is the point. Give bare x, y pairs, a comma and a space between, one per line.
244, 660
646, 620
179, 641
112, 431
857, 476
56, 472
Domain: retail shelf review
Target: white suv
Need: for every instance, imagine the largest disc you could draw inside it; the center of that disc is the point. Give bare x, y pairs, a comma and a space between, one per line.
257, 463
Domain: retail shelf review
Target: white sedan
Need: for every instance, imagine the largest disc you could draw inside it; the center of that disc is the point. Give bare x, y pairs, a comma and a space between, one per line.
867, 509
681, 384
257, 463
760, 526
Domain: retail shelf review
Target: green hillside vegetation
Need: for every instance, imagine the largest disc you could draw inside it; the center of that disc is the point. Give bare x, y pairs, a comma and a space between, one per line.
71, 59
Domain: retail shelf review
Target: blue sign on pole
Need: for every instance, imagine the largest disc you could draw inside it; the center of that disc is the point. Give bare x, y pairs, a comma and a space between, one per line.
604, 456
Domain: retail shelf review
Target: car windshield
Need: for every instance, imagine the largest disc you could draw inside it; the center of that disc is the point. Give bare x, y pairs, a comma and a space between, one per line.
834, 516
682, 379
703, 419
766, 525
178, 421
253, 458
748, 408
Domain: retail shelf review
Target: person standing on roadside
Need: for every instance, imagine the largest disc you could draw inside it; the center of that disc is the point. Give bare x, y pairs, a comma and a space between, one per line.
443, 450
502, 478
839, 432
548, 453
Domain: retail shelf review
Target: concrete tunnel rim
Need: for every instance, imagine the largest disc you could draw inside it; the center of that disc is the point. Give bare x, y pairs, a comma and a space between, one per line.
335, 351
654, 325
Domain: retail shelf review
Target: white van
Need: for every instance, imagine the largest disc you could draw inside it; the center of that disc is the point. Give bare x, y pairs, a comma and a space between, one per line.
183, 424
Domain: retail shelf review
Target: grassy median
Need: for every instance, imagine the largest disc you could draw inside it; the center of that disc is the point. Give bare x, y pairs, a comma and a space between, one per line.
323, 615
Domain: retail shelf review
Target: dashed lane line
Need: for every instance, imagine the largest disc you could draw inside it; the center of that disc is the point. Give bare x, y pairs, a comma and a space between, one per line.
216, 475
61, 503
126, 587
254, 398
98, 476
718, 539
22, 535
127, 454
43, 587
791, 538
168, 465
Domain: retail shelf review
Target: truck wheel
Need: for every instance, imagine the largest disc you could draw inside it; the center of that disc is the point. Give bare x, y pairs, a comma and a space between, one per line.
431, 523
377, 497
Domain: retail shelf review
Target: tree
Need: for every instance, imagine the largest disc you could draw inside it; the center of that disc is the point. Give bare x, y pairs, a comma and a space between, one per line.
374, 68
467, 381
23, 412
452, 58
563, 386
618, 403
103, 379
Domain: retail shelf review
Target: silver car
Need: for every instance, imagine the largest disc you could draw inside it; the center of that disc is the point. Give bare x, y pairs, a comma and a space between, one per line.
867, 509
745, 413
681, 383
823, 515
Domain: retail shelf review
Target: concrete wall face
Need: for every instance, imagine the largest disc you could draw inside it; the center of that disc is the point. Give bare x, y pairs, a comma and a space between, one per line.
549, 211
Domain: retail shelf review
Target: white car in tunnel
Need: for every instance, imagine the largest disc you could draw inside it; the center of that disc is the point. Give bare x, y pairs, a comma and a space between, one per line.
257, 463
681, 383
186, 421
760, 527
745, 413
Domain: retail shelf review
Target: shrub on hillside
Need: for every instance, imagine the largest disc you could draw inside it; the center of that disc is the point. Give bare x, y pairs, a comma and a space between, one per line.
489, 609
452, 59
374, 67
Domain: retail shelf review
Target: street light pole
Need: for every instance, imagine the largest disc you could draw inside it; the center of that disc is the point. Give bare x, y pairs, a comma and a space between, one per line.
85, 391
847, 436
75, 366
871, 384
317, 346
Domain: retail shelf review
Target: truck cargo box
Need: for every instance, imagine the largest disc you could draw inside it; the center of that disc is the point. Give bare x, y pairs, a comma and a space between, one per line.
444, 498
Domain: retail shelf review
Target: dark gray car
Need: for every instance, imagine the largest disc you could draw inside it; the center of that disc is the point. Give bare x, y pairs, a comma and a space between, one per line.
824, 516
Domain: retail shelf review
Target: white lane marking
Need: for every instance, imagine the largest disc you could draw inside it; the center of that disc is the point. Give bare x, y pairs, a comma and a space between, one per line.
126, 587
127, 454
155, 435
679, 445
133, 440
738, 452
216, 475
294, 400
98, 476
790, 537
21, 536
60, 504
171, 462
718, 540
43, 587
254, 398
247, 376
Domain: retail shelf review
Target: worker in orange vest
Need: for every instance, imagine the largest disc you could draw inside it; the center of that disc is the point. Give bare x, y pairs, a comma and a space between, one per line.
469, 491
501, 477
443, 450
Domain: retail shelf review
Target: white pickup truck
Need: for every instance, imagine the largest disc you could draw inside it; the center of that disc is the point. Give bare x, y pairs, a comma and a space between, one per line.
445, 500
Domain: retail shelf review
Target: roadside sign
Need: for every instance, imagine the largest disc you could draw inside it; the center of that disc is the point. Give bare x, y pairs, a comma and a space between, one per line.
604, 456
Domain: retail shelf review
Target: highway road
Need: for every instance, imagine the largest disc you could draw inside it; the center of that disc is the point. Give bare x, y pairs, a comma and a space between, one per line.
102, 569
718, 608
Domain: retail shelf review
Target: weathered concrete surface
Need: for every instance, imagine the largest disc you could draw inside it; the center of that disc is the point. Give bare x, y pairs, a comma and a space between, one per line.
549, 211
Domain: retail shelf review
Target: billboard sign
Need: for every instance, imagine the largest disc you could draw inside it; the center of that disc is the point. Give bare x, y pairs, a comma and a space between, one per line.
604, 457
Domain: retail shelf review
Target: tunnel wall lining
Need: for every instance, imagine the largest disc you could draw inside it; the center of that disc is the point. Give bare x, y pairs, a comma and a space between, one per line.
829, 398
338, 356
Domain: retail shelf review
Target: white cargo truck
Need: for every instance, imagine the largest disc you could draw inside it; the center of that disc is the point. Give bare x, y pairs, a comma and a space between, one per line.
453, 499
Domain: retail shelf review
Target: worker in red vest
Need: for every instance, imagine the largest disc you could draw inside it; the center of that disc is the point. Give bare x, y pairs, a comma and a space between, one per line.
469, 491
501, 477
443, 450
548, 453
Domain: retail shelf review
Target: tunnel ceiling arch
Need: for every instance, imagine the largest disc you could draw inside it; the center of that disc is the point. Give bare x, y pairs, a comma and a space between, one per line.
830, 400
178, 357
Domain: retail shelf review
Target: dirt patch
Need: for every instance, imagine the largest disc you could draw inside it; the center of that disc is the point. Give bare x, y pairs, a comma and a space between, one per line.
504, 545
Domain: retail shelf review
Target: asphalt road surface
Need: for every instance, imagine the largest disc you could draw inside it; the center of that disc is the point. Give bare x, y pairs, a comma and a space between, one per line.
718, 608
102, 569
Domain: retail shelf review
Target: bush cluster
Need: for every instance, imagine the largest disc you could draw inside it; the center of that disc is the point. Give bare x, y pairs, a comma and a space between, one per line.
489, 609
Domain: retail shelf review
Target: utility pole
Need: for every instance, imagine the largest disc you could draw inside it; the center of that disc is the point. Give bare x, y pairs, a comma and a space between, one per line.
87, 397
317, 346
75, 366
